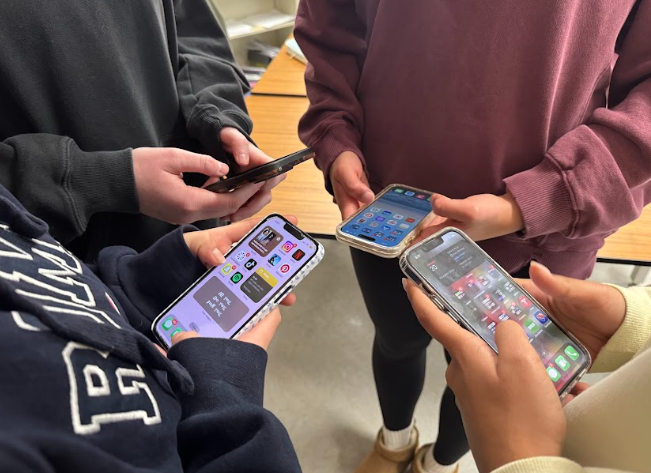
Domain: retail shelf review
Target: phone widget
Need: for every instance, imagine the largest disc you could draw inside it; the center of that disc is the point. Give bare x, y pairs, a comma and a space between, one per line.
265, 241
259, 284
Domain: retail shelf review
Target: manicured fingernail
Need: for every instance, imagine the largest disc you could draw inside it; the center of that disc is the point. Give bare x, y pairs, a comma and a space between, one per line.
404, 283
219, 258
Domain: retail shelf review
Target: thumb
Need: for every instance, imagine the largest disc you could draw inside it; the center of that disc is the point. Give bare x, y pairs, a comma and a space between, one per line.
355, 187
453, 209
185, 161
237, 144
558, 287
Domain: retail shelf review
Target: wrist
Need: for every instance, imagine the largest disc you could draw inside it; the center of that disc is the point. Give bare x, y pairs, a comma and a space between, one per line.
515, 220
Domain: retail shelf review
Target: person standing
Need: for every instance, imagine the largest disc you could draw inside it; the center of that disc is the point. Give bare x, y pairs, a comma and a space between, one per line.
531, 122
108, 105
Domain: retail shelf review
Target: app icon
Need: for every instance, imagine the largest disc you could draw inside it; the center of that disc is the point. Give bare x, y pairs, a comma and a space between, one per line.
378, 234
397, 232
553, 373
410, 220
368, 215
531, 325
178, 330
366, 230
380, 219
409, 193
562, 363
386, 228
404, 225
298, 255
421, 196
572, 353
241, 256
169, 323
398, 216
392, 222
361, 220
375, 209
227, 268
429, 198
288, 246
374, 224
524, 302
459, 294
250, 264
386, 212
354, 227
491, 327
285, 268
274, 260
542, 318
503, 317
391, 238
398, 190
237, 277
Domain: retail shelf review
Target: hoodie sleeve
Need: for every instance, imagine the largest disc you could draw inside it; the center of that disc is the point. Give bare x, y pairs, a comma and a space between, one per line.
597, 177
223, 425
63, 185
211, 86
549, 465
332, 37
146, 283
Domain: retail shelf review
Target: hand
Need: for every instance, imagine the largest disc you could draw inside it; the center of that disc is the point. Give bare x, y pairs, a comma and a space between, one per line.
164, 195
350, 184
247, 156
590, 311
509, 406
481, 216
260, 335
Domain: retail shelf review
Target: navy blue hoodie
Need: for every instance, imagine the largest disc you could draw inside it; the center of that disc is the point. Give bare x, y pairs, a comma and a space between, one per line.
84, 389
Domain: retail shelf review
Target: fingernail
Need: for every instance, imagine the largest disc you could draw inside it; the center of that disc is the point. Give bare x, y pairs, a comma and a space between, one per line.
243, 158
542, 266
218, 256
404, 283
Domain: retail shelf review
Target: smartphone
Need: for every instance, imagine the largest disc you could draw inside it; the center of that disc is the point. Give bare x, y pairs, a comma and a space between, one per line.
387, 225
229, 299
467, 284
262, 173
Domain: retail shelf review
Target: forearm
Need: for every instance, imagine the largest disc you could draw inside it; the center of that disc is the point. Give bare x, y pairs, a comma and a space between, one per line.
64, 185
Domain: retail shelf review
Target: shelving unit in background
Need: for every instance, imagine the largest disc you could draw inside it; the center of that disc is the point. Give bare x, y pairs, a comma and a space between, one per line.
240, 10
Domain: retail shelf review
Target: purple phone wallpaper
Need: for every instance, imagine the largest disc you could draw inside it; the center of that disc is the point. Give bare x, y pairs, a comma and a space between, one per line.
226, 298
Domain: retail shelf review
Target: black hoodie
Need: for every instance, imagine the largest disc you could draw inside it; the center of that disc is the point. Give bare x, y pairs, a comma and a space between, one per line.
83, 82
83, 390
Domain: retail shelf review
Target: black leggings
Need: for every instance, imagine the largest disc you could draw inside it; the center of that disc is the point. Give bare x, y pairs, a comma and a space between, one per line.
399, 355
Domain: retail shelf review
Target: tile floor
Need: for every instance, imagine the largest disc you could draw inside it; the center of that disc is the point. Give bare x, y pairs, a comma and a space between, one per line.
319, 380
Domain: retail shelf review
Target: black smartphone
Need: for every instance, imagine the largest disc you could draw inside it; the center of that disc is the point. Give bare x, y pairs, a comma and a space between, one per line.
262, 173
467, 284
268, 263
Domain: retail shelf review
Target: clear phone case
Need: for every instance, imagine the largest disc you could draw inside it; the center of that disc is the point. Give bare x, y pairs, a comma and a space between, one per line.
439, 300
374, 248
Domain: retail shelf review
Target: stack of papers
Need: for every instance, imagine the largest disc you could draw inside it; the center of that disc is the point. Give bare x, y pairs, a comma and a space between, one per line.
237, 28
269, 19
294, 50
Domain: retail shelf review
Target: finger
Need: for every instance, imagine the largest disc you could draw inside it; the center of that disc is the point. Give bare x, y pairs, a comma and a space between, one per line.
237, 144
564, 288
289, 300
580, 388
355, 188
210, 255
184, 161
208, 204
179, 337
512, 342
239, 197
438, 325
347, 205
431, 230
160, 349
453, 209
235, 232
271, 183
257, 157
262, 333
253, 206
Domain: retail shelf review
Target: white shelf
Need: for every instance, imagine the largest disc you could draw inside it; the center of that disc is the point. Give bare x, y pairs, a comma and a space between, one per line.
258, 30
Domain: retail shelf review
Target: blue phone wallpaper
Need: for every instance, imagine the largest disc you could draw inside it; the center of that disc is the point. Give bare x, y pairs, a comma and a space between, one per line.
389, 219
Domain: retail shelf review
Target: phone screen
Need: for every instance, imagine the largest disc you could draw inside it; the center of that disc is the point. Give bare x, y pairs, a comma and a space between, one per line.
483, 295
391, 217
229, 295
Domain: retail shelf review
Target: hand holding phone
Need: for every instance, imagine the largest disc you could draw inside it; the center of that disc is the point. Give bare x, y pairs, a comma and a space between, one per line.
510, 409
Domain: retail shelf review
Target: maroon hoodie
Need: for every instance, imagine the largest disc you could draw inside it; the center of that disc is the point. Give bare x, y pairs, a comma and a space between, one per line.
550, 99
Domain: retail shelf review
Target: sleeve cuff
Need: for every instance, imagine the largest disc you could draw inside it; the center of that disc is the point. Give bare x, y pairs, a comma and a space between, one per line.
100, 181
336, 140
633, 334
541, 465
213, 361
207, 124
544, 200
164, 271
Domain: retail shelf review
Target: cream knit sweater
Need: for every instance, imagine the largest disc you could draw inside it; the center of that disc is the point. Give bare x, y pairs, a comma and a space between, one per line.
609, 425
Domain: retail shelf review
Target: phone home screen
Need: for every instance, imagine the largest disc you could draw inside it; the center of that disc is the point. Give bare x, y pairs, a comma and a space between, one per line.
389, 219
228, 296
484, 297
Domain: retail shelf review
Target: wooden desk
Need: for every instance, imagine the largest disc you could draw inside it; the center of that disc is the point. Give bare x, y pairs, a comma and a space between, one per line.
302, 193
283, 77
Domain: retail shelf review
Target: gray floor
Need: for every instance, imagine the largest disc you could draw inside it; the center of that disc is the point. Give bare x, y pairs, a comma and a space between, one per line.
319, 380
